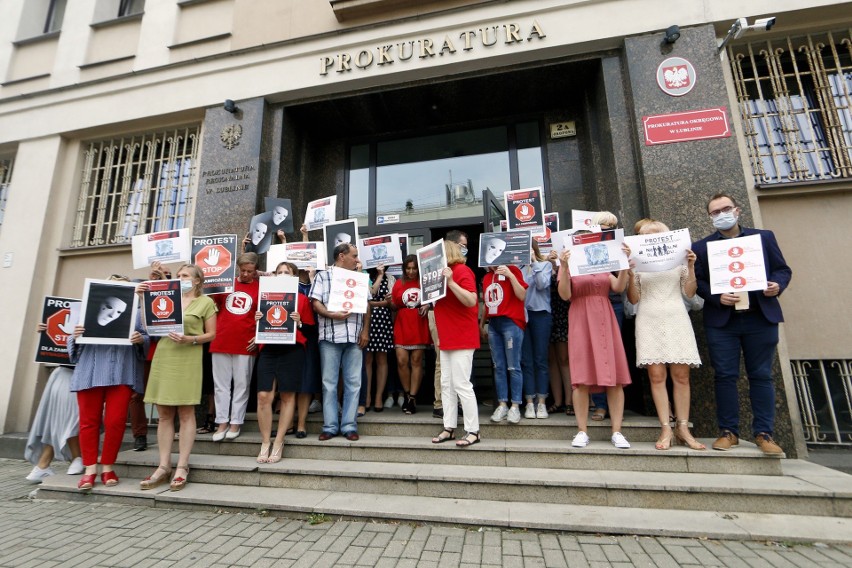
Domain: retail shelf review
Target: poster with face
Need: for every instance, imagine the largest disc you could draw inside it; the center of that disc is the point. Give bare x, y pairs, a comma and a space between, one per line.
277, 302
431, 262
109, 312
320, 212
338, 233
551, 225
736, 265
282, 213
496, 249
525, 210
164, 246
656, 252
52, 342
216, 255
349, 292
593, 253
384, 249
163, 308
260, 233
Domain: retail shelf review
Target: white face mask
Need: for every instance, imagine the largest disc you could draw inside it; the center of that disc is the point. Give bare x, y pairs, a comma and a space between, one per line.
186, 286
725, 221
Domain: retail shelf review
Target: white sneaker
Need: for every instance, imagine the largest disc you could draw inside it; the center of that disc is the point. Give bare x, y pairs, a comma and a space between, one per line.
316, 406
529, 411
514, 415
500, 413
76, 467
541, 411
37, 475
389, 402
620, 441
400, 400
581, 440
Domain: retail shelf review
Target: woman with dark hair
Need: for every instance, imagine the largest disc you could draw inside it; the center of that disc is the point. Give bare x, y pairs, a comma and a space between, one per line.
411, 330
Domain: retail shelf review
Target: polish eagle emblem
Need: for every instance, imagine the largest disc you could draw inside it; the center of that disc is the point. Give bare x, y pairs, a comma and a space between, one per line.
676, 77
231, 135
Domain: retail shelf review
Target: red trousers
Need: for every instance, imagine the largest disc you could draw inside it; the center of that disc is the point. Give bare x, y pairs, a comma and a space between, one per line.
107, 405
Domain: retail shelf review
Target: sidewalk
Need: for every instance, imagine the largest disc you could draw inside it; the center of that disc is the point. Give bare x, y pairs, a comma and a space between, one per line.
52, 533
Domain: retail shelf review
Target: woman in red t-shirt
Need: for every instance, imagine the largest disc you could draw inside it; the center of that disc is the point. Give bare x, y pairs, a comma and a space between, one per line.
410, 330
455, 319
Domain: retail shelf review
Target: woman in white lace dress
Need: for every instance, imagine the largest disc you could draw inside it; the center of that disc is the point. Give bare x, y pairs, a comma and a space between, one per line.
665, 339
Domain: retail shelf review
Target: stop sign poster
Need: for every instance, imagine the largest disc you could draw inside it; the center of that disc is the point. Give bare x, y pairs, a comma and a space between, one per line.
56, 315
163, 310
736, 265
216, 256
277, 300
525, 211
551, 225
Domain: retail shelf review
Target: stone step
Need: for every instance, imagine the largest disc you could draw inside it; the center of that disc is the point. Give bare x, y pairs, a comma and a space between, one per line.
710, 521
747, 459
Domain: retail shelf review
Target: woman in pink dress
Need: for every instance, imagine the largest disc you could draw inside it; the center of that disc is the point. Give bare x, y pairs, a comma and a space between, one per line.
597, 358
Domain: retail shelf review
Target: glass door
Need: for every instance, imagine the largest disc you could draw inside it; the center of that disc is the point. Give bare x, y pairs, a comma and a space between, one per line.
492, 212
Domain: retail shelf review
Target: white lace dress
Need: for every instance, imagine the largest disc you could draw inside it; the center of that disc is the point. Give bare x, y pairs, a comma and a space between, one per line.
663, 329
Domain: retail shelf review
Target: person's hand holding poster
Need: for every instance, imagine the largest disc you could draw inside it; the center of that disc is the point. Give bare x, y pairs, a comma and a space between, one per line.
384, 249
109, 312
163, 308
280, 211
58, 324
736, 265
277, 302
350, 291
431, 262
592, 253
216, 256
513, 247
320, 212
658, 252
525, 210
164, 246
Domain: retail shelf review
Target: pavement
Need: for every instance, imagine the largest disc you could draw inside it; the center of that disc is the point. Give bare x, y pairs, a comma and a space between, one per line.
44, 533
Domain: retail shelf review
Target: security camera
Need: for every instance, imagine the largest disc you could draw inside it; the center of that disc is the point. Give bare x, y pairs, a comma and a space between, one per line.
763, 24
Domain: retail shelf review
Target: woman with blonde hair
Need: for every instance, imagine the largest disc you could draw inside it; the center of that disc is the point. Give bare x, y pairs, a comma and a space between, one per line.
665, 339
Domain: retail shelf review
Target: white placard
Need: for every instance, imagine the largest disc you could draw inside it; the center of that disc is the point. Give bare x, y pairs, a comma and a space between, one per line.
350, 291
561, 240
657, 252
582, 219
320, 212
736, 265
164, 246
383, 249
593, 253
305, 255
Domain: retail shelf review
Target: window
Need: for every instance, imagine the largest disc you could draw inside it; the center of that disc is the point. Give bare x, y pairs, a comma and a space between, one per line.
55, 14
5, 178
795, 98
136, 185
130, 7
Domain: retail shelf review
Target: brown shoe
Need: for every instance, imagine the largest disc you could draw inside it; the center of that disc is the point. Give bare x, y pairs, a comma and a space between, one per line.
767, 445
726, 441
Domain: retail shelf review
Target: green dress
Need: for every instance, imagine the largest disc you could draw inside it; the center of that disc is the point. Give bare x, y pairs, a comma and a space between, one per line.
175, 378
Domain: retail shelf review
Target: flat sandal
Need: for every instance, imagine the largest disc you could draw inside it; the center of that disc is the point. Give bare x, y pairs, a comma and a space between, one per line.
467, 441
440, 438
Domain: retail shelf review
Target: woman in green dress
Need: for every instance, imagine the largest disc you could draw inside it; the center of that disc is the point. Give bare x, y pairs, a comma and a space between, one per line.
174, 384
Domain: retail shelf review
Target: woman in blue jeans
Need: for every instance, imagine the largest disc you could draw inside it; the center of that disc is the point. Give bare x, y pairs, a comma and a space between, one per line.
537, 334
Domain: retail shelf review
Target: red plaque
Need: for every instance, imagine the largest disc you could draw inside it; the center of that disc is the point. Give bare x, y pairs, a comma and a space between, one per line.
685, 126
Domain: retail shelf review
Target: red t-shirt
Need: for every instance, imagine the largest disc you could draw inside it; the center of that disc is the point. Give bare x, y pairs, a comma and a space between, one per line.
409, 328
235, 323
306, 313
457, 324
500, 299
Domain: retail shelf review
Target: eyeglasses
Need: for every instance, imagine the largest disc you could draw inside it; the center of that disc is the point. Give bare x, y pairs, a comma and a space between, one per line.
717, 212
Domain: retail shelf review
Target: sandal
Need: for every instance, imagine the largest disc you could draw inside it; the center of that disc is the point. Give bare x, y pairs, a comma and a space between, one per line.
156, 479
441, 438
469, 439
209, 426
687, 439
276, 456
263, 456
179, 481
569, 410
599, 414
554, 408
664, 442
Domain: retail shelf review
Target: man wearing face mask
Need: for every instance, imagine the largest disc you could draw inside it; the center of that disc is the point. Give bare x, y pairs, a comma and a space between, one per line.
742, 323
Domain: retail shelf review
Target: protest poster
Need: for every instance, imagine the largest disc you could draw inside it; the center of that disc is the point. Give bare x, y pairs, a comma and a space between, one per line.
306, 255
216, 256
108, 312
349, 292
396, 269
53, 341
320, 212
260, 233
496, 249
281, 211
383, 249
525, 210
277, 301
551, 225
593, 253
657, 252
431, 262
163, 308
736, 265
164, 246
582, 219
337, 233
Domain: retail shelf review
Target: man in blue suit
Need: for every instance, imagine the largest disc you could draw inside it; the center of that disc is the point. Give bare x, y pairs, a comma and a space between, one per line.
742, 323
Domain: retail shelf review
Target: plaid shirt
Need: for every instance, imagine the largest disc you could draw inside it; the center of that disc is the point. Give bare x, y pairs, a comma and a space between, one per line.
335, 331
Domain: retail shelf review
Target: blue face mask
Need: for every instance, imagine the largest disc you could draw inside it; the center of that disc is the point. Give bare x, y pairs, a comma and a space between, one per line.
463, 250
725, 221
185, 286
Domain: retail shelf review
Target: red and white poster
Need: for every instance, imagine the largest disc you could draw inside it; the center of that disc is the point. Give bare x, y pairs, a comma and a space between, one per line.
736, 265
216, 255
52, 342
686, 126
277, 301
320, 212
551, 225
350, 291
525, 210
163, 309
165, 246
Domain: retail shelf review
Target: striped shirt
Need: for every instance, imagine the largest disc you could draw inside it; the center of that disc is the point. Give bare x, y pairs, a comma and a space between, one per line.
108, 365
334, 331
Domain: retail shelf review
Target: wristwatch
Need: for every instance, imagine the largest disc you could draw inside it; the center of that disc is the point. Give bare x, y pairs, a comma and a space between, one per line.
195, 340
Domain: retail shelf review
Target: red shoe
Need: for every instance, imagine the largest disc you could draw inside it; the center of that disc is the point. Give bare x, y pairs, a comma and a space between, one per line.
87, 482
109, 478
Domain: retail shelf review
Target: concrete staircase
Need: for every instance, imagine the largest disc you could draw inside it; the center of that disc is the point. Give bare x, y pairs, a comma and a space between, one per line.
525, 475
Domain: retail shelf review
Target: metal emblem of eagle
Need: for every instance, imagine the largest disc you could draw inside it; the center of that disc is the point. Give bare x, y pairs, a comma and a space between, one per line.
231, 135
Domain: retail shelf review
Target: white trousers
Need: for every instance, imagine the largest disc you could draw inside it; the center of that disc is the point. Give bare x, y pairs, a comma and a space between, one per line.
225, 368
456, 386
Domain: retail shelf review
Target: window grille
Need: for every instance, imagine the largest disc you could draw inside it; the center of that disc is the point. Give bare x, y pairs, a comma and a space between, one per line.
824, 391
136, 185
795, 99
5, 178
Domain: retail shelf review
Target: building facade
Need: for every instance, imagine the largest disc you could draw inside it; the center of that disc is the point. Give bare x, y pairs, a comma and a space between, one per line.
418, 115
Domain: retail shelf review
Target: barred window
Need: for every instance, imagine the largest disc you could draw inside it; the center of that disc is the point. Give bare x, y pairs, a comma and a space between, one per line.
136, 185
5, 178
795, 99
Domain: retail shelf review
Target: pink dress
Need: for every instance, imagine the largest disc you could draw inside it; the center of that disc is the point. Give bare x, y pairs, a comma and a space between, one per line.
595, 350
